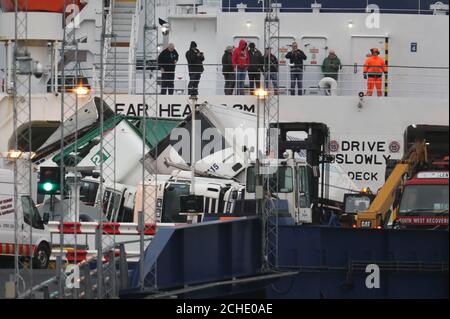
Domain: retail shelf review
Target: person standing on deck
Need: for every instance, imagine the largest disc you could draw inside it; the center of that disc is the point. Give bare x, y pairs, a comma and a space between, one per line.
255, 68
167, 62
271, 73
374, 68
296, 56
331, 66
195, 60
228, 70
241, 60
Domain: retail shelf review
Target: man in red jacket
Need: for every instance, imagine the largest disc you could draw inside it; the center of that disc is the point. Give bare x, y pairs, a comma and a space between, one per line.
241, 60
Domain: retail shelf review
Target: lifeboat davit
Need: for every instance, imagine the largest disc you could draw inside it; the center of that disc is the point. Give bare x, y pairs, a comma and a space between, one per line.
37, 5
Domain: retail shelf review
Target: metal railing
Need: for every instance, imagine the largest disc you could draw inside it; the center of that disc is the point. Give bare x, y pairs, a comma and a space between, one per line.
88, 280
403, 81
172, 8
293, 9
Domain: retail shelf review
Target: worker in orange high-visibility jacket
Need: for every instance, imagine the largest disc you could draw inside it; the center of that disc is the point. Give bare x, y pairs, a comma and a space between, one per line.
374, 67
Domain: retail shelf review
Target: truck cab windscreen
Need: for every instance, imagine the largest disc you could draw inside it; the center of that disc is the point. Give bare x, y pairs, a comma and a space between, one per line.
354, 205
171, 206
425, 199
283, 183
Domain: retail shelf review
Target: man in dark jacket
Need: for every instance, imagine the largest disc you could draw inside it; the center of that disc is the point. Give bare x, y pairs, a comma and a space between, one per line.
167, 61
195, 60
255, 68
297, 57
228, 70
273, 74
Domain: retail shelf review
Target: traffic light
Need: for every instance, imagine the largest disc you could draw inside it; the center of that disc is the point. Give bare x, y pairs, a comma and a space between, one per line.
49, 181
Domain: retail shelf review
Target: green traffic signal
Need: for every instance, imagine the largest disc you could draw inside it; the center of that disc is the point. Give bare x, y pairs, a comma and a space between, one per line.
49, 180
48, 187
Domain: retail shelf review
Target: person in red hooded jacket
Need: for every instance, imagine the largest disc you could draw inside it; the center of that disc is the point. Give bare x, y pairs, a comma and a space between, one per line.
374, 67
241, 61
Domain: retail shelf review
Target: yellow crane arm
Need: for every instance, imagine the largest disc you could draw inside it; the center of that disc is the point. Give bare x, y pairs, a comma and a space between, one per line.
386, 196
382, 203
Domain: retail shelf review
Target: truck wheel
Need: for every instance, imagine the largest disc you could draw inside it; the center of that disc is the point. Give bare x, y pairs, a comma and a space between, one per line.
41, 258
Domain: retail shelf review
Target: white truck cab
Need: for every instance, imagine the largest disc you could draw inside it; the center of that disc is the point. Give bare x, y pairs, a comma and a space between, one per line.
219, 196
30, 222
293, 179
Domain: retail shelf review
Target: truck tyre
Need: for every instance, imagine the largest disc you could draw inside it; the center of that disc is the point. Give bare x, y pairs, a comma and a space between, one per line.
41, 257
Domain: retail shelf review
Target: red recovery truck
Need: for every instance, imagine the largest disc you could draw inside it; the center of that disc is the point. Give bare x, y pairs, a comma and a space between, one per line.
423, 202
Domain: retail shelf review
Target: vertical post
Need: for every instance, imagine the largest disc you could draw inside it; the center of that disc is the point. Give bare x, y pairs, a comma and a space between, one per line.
193, 142
87, 282
52, 65
55, 81
61, 163
108, 93
70, 69
141, 251
98, 243
9, 60
112, 283
46, 292
150, 100
60, 279
123, 267
258, 182
22, 71
386, 74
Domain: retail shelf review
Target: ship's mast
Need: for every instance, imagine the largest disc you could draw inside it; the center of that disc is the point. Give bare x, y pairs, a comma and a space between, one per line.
271, 115
22, 71
107, 93
150, 102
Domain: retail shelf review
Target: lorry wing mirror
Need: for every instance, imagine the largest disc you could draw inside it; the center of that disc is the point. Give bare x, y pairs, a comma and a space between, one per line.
46, 218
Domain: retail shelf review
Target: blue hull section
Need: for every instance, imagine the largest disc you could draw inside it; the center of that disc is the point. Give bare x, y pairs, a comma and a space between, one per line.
319, 262
332, 263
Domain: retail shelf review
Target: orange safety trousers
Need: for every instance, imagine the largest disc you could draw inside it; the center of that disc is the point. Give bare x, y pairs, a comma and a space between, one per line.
372, 82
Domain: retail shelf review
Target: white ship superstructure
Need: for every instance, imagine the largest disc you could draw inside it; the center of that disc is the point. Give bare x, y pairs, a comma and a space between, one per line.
365, 132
